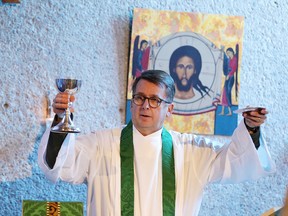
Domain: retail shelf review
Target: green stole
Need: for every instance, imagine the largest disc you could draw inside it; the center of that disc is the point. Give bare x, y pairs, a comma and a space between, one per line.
127, 172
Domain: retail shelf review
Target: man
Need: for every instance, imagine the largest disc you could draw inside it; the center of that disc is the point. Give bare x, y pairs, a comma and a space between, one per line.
185, 67
145, 170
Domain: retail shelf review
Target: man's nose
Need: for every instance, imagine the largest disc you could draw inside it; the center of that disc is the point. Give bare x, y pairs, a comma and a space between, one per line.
146, 104
184, 75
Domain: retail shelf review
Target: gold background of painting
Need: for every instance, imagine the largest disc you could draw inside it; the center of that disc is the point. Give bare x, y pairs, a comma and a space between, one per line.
222, 30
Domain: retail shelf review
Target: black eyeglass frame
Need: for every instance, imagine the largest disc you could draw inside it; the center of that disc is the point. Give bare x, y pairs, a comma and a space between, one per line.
159, 100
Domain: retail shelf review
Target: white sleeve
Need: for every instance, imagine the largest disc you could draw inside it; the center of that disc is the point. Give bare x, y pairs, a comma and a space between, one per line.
66, 148
240, 161
79, 158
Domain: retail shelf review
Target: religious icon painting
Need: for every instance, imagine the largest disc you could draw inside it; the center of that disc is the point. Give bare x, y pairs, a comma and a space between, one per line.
202, 53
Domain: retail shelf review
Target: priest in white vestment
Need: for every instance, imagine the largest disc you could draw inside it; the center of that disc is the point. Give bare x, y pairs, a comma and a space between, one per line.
95, 158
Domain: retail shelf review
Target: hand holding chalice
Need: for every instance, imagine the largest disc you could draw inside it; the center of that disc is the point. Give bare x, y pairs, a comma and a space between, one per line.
71, 86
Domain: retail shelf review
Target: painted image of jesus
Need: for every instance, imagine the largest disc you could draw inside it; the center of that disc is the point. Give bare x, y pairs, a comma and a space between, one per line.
185, 67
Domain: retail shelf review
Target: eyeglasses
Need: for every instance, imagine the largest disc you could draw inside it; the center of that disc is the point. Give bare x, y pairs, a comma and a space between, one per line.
153, 102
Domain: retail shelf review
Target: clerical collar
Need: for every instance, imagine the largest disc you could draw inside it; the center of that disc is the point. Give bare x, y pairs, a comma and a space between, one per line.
155, 134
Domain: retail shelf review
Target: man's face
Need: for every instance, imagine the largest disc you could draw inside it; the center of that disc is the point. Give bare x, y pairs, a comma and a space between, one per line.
184, 69
148, 120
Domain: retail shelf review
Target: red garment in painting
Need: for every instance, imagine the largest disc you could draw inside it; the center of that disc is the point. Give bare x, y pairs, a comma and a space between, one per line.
233, 65
229, 82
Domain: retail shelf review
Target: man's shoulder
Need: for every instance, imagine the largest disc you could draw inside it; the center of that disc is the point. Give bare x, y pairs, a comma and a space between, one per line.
180, 137
104, 139
110, 132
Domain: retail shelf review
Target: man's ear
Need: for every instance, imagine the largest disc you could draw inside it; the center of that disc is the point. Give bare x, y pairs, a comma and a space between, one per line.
170, 110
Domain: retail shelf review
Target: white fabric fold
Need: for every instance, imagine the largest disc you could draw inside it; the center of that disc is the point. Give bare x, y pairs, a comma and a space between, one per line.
95, 159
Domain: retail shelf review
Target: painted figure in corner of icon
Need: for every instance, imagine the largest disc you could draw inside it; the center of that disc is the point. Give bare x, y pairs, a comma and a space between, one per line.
230, 70
140, 59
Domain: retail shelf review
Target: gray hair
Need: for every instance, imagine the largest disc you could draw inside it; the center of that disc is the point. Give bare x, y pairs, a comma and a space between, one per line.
160, 78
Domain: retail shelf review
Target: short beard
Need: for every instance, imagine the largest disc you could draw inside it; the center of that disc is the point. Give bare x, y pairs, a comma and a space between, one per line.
181, 87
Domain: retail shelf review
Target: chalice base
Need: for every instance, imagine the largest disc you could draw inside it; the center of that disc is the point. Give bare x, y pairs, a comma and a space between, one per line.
62, 128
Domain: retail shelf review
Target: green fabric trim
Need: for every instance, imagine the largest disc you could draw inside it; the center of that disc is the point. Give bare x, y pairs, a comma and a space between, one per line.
168, 174
127, 172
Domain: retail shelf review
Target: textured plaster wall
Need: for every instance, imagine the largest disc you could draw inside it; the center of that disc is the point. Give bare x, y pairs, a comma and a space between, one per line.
40, 39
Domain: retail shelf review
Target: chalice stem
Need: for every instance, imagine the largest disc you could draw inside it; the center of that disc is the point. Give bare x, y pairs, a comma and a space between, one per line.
67, 112
67, 117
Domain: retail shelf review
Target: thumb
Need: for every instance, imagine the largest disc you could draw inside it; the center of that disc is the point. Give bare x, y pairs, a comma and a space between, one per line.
72, 98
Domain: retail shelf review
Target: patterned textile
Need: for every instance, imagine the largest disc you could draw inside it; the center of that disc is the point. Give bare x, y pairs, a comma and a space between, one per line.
47, 208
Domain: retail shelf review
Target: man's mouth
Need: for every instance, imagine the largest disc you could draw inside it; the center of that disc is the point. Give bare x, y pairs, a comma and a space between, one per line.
184, 81
143, 115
